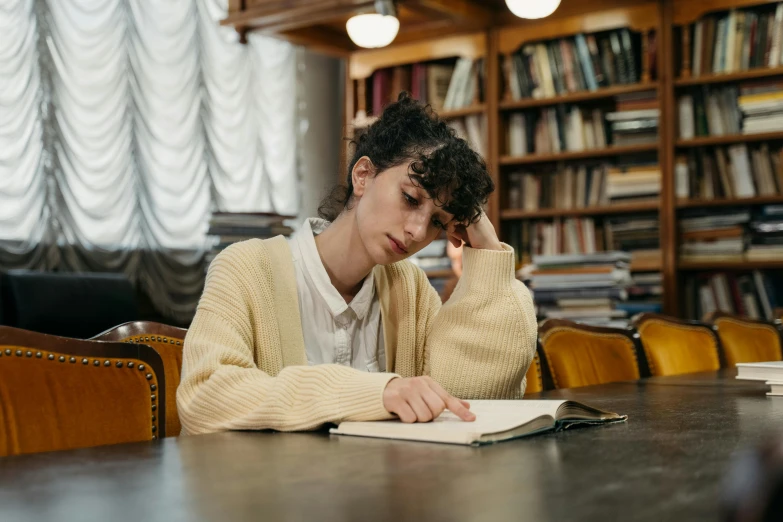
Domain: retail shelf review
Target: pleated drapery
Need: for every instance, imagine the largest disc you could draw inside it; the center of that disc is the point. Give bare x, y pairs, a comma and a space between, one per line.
124, 123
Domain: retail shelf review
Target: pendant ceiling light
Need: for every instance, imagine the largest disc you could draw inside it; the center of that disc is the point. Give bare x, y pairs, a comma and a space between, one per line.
532, 8
377, 29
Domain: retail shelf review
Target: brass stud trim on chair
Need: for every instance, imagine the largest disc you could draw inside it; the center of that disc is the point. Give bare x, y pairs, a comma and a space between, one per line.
130, 364
85, 361
62, 358
149, 376
96, 362
38, 355
72, 360
29, 354
18, 353
107, 363
153, 397
8, 352
51, 357
154, 407
119, 364
141, 367
154, 418
153, 387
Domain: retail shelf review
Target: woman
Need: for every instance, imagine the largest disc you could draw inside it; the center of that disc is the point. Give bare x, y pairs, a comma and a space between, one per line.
292, 335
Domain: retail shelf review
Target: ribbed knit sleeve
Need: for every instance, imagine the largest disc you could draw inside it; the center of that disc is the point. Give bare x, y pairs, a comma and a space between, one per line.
234, 330
480, 343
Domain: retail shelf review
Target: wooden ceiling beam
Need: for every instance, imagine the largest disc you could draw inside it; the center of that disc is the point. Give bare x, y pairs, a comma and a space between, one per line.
279, 16
461, 11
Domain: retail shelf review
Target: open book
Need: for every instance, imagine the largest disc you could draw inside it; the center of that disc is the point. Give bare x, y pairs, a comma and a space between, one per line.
496, 421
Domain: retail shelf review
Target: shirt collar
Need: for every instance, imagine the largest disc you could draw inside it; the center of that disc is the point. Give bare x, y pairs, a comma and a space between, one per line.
316, 271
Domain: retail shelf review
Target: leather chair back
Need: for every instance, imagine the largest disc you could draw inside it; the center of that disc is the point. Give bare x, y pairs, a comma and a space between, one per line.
535, 380
674, 346
74, 305
167, 341
58, 393
581, 355
746, 340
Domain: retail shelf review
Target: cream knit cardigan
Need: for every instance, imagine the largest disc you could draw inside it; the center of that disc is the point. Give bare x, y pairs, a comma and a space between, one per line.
244, 364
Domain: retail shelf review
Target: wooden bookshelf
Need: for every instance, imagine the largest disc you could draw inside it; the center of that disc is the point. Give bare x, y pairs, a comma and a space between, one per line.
465, 111
512, 214
703, 141
655, 21
736, 202
731, 265
607, 152
751, 74
600, 94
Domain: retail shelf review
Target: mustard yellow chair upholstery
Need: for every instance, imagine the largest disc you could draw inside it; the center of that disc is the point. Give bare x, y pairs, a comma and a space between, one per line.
535, 380
673, 346
581, 355
58, 393
746, 340
167, 341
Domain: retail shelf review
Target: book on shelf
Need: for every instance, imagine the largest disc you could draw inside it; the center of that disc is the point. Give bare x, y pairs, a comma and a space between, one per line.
496, 421
737, 40
733, 172
584, 62
473, 129
750, 294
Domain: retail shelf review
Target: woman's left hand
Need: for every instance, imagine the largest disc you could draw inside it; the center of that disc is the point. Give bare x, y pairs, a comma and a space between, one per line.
480, 234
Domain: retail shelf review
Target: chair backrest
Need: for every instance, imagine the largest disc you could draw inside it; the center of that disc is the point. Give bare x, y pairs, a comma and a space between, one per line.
67, 304
674, 346
582, 355
167, 341
747, 340
58, 393
535, 380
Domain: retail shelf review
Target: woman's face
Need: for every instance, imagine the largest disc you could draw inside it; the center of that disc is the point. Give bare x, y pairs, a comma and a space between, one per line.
395, 218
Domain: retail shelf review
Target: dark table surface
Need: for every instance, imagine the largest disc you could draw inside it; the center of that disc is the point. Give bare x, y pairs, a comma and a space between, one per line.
666, 463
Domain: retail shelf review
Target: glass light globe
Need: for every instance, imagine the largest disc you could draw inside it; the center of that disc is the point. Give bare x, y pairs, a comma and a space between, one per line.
372, 30
532, 8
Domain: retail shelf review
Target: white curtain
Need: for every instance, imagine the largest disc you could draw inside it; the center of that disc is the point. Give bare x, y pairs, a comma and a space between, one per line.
124, 123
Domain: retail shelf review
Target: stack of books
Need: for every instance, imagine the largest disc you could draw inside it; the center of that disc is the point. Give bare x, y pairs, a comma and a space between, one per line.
231, 227
738, 40
752, 295
738, 171
584, 62
638, 235
762, 107
708, 236
556, 130
634, 127
769, 372
583, 287
638, 182
766, 235
644, 294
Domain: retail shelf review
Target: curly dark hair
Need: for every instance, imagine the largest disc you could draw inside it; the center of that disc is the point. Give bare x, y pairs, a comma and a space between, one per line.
453, 175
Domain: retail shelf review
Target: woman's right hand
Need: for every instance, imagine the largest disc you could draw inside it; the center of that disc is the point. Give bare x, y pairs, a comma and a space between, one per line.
421, 399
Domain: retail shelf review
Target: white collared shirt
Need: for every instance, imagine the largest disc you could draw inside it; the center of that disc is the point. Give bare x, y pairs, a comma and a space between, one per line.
335, 332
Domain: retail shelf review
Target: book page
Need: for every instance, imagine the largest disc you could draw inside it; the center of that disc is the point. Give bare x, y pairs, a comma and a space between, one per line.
491, 417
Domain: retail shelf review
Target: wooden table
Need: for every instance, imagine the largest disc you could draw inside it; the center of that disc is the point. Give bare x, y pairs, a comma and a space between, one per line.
666, 463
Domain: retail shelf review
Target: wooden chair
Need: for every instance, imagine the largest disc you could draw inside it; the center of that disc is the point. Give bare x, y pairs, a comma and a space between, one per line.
59, 393
167, 341
747, 340
674, 346
535, 380
582, 355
